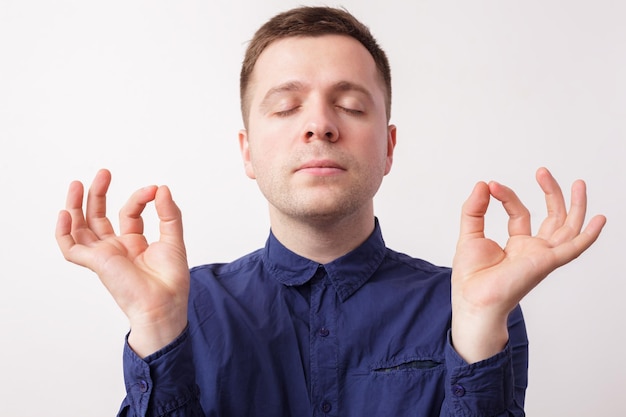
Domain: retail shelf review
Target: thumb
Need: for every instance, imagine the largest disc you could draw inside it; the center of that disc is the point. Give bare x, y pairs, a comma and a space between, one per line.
170, 217
473, 212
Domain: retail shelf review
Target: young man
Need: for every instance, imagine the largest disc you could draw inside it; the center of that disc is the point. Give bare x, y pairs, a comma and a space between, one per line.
324, 320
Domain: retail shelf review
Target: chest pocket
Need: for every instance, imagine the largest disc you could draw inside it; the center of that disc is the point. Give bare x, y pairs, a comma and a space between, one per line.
408, 366
405, 385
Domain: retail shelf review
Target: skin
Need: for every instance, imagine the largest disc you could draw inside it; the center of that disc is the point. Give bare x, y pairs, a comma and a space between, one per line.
489, 281
150, 283
318, 144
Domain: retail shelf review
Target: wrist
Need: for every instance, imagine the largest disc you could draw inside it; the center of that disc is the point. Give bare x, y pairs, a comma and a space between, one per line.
149, 336
476, 337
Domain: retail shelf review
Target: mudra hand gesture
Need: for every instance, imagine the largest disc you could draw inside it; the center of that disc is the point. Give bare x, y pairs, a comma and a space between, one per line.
150, 282
488, 281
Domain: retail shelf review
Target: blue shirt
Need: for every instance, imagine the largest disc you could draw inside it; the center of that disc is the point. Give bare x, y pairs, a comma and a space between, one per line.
275, 334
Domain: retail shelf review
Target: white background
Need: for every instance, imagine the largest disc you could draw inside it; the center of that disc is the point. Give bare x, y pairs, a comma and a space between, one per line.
149, 89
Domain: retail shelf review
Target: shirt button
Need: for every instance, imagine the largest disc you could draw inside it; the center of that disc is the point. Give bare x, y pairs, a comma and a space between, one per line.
326, 407
458, 390
143, 386
324, 332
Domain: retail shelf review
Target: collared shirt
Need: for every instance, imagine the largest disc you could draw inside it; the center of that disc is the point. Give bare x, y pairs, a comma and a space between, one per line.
275, 334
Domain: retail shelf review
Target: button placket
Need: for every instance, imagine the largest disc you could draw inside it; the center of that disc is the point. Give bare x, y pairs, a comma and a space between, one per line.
458, 390
324, 348
326, 407
143, 386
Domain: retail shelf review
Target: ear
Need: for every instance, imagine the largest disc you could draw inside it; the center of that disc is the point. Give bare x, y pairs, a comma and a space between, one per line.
244, 148
391, 144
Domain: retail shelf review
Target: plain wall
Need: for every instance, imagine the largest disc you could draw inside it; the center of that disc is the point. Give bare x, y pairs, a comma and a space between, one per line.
149, 89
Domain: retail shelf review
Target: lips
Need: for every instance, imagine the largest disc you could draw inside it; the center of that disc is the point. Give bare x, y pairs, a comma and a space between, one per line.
321, 167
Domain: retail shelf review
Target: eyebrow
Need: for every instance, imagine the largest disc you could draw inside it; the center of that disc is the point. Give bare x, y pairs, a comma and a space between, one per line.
349, 86
289, 86
295, 86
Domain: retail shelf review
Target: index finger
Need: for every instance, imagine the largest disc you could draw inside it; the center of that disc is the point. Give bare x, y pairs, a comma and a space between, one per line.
555, 203
519, 216
96, 205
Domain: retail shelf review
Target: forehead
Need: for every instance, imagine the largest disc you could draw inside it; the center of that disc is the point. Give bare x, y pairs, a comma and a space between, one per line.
315, 61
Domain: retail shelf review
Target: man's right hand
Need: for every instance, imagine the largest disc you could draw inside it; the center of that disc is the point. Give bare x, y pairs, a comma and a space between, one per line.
150, 282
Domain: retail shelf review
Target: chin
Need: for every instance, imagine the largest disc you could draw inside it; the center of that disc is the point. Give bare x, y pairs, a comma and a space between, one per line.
322, 205
329, 213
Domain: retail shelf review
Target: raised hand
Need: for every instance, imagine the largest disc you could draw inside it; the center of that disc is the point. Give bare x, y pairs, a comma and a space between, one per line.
489, 281
150, 282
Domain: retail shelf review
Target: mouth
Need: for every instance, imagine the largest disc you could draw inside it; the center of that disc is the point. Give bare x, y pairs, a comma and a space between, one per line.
321, 167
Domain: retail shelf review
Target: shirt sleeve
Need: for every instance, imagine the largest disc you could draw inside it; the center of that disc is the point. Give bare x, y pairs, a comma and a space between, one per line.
162, 384
493, 387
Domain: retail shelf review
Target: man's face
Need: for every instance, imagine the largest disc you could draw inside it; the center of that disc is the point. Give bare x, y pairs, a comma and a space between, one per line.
317, 142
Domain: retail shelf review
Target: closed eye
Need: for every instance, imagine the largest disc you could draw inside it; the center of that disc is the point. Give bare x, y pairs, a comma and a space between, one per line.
350, 111
285, 113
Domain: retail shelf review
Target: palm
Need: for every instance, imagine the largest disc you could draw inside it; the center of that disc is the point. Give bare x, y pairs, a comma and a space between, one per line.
138, 274
486, 275
488, 281
493, 276
143, 279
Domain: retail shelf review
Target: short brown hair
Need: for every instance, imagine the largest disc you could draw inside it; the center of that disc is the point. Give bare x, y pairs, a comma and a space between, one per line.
311, 21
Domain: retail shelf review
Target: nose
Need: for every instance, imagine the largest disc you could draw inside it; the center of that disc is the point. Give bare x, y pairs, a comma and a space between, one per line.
321, 126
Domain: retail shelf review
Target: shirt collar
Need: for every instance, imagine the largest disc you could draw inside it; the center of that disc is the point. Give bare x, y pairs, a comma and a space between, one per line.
347, 273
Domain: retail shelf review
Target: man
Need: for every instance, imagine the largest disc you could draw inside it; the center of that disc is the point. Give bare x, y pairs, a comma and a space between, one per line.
324, 320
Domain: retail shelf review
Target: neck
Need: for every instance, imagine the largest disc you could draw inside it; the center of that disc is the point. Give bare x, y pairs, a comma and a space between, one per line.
322, 240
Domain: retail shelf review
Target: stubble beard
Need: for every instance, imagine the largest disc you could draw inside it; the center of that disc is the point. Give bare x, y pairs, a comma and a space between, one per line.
323, 202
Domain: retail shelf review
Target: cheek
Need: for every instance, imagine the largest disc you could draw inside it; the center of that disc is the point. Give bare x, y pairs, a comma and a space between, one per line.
376, 148
262, 160
381, 158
